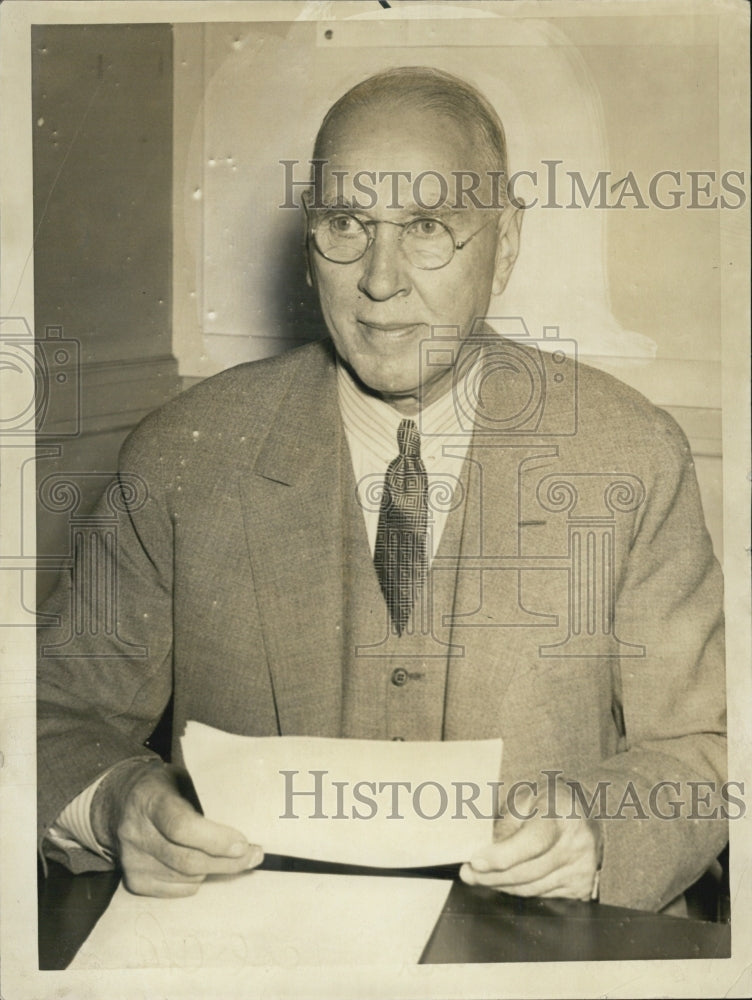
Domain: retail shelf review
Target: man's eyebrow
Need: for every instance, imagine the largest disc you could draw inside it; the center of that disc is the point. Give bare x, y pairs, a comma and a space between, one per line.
440, 212
340, 203
411, 211
444, 213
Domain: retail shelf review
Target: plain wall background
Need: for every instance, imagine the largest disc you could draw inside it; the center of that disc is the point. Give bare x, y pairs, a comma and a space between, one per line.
102, 105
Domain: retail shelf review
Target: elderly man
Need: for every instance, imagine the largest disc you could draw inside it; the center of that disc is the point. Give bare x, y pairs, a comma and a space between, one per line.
414, 530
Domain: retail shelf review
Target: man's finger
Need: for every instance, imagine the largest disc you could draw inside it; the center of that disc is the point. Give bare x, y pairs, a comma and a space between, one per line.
569, 882
162, 869
562, 883
145, 875
564, 892
522, 874
180, 824
146, 883
188, 861
530, 841
554, 882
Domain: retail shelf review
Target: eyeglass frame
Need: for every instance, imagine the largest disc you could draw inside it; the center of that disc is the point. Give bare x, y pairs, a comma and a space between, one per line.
371, 234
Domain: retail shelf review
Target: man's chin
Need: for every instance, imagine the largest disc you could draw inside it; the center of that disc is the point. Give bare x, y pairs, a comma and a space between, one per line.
384, 379
406, 395
390, 391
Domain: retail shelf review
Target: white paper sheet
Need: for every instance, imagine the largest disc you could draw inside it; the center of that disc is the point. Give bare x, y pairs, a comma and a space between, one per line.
357, 814
282, 919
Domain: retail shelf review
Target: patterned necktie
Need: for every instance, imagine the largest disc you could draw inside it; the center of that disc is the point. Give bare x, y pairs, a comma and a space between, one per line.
400, 552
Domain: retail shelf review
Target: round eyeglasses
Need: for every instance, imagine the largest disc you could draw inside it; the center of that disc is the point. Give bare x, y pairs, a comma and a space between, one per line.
343, 238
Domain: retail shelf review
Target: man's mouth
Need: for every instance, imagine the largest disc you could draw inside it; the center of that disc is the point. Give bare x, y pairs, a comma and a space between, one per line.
391, 330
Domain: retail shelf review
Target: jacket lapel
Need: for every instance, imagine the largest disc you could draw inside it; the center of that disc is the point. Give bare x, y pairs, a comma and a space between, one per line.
497, 635
292, 511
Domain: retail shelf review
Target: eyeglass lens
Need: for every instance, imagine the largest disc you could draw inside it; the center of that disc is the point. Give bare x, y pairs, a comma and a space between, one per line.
343, 238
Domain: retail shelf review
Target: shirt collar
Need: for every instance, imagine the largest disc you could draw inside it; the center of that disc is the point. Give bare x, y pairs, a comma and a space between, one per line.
373, 423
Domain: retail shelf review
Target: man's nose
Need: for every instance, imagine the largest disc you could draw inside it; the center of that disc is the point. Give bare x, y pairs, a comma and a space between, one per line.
385, 271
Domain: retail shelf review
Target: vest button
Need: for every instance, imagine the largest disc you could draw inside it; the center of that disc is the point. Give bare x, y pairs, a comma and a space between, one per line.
399, 677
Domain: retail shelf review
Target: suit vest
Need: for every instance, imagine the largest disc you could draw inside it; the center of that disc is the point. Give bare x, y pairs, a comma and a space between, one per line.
394, 687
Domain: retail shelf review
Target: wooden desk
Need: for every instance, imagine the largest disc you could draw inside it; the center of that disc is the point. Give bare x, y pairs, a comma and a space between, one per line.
476, 925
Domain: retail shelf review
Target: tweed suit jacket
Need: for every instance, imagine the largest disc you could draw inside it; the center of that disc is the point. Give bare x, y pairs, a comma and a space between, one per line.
230, 596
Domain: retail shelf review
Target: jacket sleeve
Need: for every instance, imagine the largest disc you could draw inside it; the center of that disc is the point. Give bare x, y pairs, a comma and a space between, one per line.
666, 815
104, 674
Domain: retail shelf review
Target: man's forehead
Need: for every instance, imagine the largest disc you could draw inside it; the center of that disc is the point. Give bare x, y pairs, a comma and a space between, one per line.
424, 193
398, 139
400, 157
404, 185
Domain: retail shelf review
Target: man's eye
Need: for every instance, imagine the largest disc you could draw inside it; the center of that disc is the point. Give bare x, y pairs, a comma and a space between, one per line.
343, 225
426, 228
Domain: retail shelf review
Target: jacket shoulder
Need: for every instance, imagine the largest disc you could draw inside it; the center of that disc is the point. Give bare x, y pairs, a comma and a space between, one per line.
246, 387
239, 400
621, 417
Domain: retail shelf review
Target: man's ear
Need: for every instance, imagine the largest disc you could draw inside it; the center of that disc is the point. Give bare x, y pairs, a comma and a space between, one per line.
308, 268
507, 247
309, 271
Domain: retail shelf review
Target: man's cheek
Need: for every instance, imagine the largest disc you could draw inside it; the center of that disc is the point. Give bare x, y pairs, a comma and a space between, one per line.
337, 302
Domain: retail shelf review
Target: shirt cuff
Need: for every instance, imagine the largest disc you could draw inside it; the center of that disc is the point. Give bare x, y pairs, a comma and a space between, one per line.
72, 828
596, 887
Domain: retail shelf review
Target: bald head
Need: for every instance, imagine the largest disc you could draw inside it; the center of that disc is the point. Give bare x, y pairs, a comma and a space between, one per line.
419, 89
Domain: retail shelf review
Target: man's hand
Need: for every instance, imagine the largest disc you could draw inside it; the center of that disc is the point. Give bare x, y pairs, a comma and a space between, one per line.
165, 847
543, 855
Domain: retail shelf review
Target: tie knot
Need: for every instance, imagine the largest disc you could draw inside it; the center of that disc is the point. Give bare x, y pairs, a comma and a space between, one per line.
408, 439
